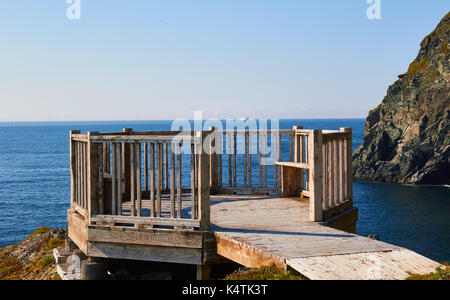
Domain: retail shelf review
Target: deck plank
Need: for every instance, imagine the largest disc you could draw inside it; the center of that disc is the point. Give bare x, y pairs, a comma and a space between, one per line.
257, 230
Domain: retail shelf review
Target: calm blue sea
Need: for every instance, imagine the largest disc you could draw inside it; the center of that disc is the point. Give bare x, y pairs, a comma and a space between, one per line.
35, 187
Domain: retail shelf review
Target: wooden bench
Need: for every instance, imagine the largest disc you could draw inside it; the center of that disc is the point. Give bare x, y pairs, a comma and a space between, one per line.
291, 181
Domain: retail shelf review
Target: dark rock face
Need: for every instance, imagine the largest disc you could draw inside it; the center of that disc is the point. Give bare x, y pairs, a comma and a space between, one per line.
407, 136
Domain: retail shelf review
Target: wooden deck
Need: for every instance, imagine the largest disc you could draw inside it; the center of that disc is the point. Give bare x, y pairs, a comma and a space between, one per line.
260, 230
177, 216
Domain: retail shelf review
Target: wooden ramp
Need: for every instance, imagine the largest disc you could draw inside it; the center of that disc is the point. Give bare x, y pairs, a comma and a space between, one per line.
260, 230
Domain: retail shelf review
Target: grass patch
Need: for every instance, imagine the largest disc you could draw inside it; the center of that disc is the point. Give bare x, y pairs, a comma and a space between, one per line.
40, 230
264, 273
9, 267
55, 243
44, 240
444, 48
46, 260
416, 67
440, 274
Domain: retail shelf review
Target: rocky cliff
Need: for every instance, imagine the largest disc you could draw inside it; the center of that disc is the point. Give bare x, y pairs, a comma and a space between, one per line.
407, 136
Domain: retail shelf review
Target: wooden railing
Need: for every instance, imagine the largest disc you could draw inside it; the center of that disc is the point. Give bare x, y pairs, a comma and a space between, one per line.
136, 178
325, 156
143, 179
244, 160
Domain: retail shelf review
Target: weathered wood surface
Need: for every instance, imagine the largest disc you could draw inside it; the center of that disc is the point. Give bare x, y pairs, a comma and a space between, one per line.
388, 265
254, 231
146, 253
261, 230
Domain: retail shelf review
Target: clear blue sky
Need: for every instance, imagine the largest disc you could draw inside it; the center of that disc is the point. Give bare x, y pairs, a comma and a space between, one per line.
142, 60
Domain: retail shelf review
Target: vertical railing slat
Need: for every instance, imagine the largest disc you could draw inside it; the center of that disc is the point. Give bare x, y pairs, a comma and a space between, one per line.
260, 159
152, 179
179, 183
119, 164
193, 181
275, 150
166, 166
336, 171
204, 185
145, 166
348, 166
230, 168
341, 171
84, 171
250, 159
159, 178
132, 179
324, 177
138, 179
330, 173
101, 165
315, 174
265, 160
172, 181
219, 159
234, 159
245, 157
114, 180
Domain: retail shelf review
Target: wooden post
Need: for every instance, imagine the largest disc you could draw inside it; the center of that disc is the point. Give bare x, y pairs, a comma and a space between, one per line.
348, 164
298, 154
204, 184
214, 161
73, 172
315, 175
93, 175
289, 181
203, 272
126, 162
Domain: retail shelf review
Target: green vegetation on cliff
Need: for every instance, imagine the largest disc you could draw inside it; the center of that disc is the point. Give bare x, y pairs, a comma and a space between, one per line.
441, 274
32, 258
264, 273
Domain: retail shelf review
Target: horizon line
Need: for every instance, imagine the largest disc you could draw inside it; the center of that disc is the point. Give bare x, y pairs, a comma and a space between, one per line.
169, 120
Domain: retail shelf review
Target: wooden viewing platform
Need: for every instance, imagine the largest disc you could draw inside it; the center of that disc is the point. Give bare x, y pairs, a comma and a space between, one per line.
137, 196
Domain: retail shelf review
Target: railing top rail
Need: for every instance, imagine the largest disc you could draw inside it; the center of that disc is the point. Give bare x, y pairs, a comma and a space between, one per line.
139, 136
336, 135
256, 131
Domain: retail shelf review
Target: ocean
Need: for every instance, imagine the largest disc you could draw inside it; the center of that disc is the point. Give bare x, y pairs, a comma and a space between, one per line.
35, 186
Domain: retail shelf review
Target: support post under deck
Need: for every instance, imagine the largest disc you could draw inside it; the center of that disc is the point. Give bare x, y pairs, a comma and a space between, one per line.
203, 272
